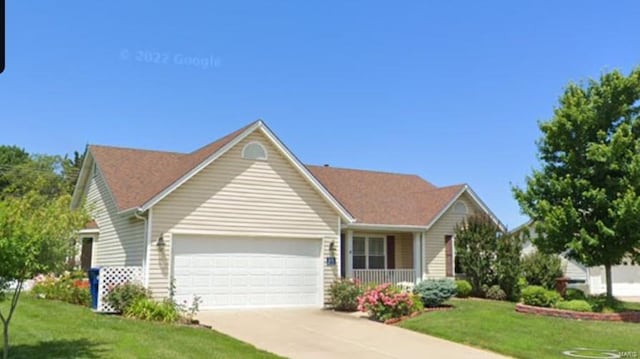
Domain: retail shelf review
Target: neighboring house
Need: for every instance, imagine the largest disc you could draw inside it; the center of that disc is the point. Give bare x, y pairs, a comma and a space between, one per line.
242, 222
626, 277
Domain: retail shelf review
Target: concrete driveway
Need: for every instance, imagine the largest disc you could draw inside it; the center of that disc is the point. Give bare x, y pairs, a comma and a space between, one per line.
314, 333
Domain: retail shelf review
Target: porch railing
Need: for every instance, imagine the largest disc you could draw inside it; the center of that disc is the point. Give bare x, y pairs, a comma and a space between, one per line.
379, 276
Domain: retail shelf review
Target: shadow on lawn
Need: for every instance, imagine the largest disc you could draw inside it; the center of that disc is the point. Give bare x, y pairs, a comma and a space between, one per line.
57, 349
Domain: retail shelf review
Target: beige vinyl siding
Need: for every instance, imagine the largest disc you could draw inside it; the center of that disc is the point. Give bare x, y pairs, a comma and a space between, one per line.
434, 250
404, 251
121, 239
243, 198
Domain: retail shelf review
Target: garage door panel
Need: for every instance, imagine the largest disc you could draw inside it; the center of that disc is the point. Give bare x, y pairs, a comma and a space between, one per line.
243, 272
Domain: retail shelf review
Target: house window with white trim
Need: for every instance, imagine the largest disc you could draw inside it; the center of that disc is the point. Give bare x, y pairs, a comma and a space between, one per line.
369, 252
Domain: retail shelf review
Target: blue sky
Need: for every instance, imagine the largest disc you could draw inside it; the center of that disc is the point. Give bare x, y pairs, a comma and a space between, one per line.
451, 91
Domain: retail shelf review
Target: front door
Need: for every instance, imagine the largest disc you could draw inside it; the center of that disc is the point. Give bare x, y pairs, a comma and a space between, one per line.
86, 253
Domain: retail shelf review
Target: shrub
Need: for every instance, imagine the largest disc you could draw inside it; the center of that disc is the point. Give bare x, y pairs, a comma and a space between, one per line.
539, 296
496, 293
541, 269
507, 265
70, 287
463, 289
577, 305
148, 309
476, 247
522, 283
433, 292
573, 294
406, 286
483, 290
344, 294
600, 303
386, 302
189, 313
418, 306
124, 295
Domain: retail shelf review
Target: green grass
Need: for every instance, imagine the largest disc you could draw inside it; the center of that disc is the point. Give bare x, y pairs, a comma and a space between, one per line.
498, 327
50, 329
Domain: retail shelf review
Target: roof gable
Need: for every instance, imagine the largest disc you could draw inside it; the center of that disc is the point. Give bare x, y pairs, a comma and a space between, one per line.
138, 179
135, 176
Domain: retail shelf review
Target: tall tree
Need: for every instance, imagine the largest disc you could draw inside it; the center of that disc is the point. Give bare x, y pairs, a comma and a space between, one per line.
35, 234
476, 244
10, 156
585, 198
71, 167
41, 173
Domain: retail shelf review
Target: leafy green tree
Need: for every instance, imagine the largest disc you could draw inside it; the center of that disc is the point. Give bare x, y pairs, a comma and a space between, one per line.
507, 265
476, 244
35, 233
10, 156
41, 173
71, 167
585, 197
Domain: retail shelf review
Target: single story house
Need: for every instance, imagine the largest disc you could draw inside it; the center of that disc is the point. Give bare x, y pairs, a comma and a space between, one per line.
241, 222
626, 277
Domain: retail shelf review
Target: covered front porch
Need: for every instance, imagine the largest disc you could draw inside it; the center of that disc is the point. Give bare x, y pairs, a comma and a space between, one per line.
382, 256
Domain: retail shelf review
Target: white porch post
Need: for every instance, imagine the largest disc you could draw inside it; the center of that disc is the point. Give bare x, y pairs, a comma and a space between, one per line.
348, 252
417, 260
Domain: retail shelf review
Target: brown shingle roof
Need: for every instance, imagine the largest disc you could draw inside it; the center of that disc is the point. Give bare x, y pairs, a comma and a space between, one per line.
91, 225
136, 176
385, 198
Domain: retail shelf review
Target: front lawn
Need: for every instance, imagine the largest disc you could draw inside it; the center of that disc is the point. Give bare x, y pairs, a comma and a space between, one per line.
496, 326
51, 329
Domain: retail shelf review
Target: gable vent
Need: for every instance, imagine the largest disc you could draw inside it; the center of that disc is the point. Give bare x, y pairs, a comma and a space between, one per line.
460, 208
254, 151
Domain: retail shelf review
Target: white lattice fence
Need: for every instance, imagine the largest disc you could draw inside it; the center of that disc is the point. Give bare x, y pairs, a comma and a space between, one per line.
110, 277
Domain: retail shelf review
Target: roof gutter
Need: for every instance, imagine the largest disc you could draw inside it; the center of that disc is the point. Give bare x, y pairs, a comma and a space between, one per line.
135, 211
385, 227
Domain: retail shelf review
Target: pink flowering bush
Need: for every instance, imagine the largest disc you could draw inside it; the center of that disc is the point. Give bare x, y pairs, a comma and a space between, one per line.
70, 287
344, 294
385, 302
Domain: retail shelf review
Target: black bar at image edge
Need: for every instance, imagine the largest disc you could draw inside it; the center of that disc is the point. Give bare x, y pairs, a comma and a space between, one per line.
2, 43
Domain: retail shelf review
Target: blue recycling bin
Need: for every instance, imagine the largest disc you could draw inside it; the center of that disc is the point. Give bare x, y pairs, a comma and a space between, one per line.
94, 278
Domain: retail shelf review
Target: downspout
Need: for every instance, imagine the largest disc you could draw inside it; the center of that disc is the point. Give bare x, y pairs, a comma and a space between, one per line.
138, 215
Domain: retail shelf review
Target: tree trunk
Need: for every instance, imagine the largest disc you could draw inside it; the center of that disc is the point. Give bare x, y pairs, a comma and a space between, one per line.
7, 320
607, 271
5, 353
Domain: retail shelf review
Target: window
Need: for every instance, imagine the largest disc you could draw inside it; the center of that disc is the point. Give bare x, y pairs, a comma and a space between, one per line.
254, 151
359, 253
369, 252
376, 253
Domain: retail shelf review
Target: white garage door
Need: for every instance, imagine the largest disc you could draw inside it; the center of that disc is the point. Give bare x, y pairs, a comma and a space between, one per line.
248, 272
626, 280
